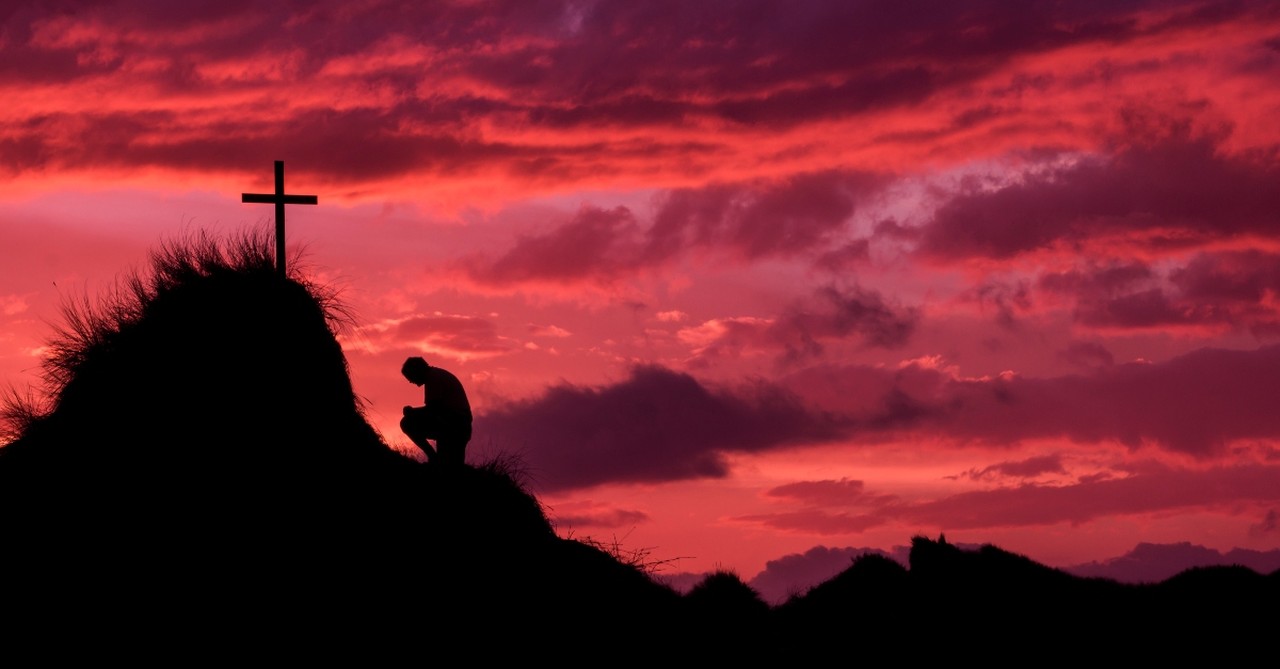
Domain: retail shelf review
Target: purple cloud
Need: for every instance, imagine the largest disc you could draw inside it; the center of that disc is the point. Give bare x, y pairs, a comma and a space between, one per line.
795, 573
778, 218
1153, 563
660, 425
1216, 288
657, 425
747, 221
1177, 185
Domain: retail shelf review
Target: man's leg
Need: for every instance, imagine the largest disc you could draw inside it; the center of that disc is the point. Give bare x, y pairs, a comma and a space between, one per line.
412, 427
450, 451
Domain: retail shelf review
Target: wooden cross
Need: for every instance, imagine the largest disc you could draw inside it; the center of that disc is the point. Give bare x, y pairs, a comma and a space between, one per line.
279, 199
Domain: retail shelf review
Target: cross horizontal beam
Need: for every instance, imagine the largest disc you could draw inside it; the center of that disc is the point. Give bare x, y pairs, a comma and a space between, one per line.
271, 198
279, 199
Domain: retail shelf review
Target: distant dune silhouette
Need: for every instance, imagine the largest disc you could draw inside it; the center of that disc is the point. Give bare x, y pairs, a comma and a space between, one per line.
201, 477
1151, 563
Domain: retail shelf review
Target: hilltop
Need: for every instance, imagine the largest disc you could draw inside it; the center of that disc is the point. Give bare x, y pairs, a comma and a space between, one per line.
202, 455
199, 474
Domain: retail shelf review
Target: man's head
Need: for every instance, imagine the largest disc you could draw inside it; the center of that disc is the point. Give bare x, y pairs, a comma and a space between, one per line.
415, 370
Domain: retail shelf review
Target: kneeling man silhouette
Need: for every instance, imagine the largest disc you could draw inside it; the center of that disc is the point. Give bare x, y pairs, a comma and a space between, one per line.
445, 416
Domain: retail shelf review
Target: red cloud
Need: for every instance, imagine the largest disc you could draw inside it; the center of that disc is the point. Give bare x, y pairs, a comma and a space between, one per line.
556, 95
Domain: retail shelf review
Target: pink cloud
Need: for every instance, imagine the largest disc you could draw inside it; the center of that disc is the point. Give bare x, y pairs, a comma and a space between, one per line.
821, 492
547, 331
597, 244
601, 518
801, 332
817, 521
1029, 468
455, 336
1087, 355
1268, 527
1033, 504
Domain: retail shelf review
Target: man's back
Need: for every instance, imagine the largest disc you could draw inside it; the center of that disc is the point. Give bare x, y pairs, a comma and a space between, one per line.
444, 390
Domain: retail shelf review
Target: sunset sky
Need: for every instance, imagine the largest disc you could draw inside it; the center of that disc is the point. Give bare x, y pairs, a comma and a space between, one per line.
732, 280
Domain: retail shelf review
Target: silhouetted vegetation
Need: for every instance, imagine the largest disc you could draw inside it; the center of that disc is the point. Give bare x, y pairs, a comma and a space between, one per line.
200, 475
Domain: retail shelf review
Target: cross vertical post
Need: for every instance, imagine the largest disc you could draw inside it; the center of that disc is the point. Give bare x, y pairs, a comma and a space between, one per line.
279, 199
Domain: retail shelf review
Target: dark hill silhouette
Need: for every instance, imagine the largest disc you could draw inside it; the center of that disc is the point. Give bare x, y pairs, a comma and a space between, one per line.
202, 456
1001, 607
202, 480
